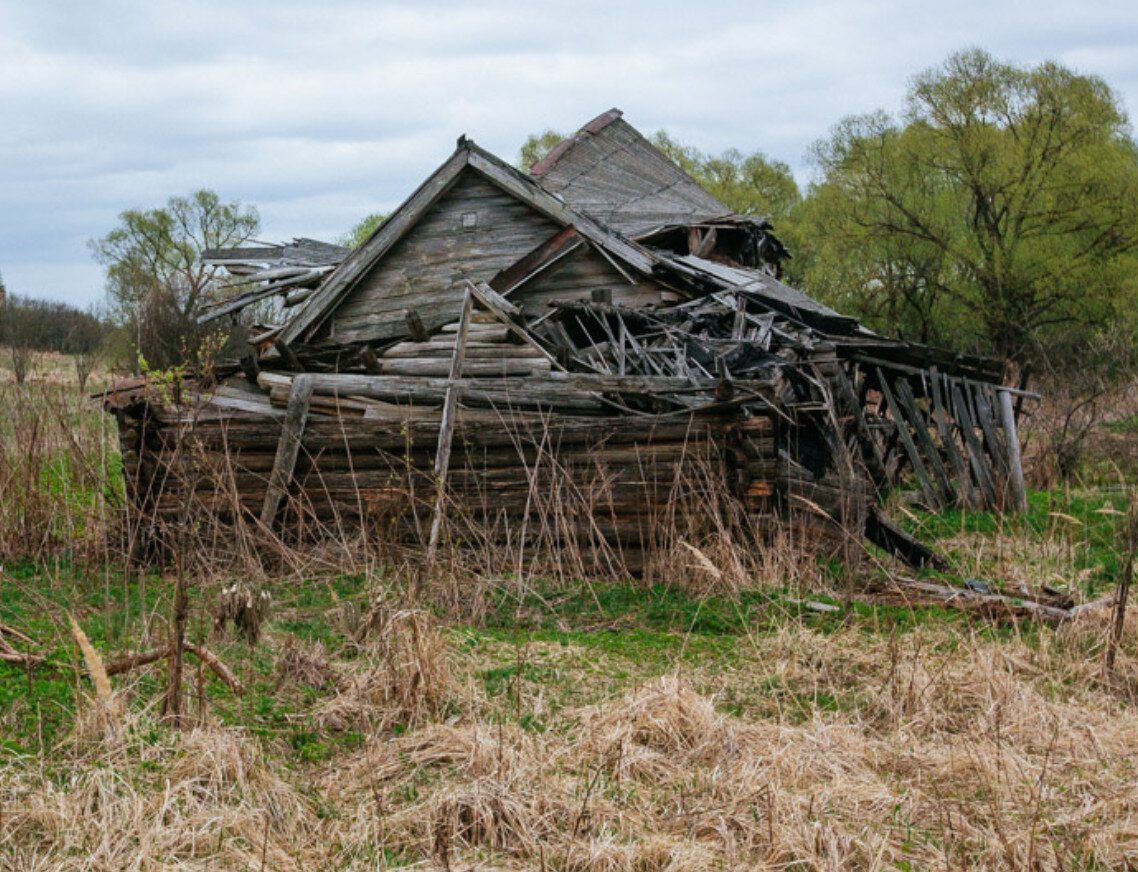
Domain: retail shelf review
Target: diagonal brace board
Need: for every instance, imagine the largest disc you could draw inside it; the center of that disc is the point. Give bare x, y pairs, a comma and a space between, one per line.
296, 417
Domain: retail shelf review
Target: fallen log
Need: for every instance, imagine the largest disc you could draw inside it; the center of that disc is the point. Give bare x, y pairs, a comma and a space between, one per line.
135, 659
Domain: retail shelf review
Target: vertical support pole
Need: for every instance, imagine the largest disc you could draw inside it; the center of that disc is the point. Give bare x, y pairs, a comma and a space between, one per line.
1018, 492
296, 416
446, 426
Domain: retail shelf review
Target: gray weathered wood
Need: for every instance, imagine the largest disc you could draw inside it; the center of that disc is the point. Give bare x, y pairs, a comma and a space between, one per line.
948, 440
446, 427
974, 447
870, 450
921, 426
930, 494
986, 415
1016, 490
296, 416
415, 327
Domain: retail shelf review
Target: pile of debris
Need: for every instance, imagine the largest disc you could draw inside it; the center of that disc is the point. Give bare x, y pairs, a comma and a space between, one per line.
586, 354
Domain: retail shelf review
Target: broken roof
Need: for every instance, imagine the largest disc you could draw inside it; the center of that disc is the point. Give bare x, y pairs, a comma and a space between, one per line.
609, 170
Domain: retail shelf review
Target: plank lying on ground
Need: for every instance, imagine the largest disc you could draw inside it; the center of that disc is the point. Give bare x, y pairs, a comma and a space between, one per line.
989, 605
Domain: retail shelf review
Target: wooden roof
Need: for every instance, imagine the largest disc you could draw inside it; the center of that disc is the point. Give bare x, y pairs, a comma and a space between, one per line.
610, 171
466, 156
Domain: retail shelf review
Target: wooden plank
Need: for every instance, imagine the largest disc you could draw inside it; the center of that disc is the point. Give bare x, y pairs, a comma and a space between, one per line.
446, 428
492, 301
1016, 490
870, 450
930, 494
887, 535
986, 415
549, 252
948, 440
917, 417
975, 449
439, 367
296, 416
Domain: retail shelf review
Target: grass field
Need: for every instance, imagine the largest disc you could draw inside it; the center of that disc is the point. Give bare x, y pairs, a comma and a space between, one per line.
462, 721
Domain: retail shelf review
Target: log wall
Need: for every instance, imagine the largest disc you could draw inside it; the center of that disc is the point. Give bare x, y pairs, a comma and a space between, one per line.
588, 481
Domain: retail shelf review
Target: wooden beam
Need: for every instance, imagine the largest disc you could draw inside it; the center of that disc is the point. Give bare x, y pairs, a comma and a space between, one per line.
930, 494
446, 427
888, 536
537, 261
1017, 491
288, 446
920, 423
948, 440
975, 449
871, 451
493, 303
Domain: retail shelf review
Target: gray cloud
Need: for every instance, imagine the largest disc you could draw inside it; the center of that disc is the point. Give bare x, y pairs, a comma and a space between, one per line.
319, 114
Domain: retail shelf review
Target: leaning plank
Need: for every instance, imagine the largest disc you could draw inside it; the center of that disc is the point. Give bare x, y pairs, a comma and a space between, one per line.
888, 536
502, 309
870, 450
296, 416
948, 440
920, 424
446, 428
985, 417
910, 447
975, 448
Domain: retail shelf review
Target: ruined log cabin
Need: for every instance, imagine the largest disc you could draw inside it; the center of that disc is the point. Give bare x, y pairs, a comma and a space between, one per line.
597, 354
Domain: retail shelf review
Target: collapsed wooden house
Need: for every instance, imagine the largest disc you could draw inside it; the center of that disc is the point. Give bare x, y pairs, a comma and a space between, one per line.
595, 353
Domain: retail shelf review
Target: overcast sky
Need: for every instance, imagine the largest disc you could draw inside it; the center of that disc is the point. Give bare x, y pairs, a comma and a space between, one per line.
321, 112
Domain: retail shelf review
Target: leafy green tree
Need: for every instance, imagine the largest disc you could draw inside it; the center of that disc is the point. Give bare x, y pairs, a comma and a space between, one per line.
537, 146
1000, 211
751, 184
156, 281
359, 234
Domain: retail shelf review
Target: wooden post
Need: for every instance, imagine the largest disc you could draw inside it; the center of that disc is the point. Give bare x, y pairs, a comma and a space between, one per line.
446, 426
370, 361
296, 416
1018, 492
288, 356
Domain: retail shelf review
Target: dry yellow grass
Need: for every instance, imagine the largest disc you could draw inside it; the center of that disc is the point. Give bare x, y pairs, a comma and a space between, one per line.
944, 750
